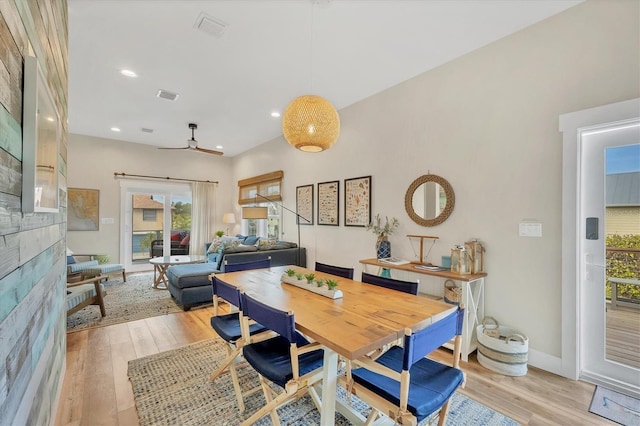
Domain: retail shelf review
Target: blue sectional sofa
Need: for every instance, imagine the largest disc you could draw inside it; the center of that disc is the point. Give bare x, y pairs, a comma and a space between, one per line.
189, 284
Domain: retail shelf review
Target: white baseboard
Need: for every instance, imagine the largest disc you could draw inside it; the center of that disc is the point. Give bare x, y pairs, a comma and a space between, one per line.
543, 361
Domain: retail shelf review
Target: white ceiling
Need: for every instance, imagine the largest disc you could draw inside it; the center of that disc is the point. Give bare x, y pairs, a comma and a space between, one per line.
271, 52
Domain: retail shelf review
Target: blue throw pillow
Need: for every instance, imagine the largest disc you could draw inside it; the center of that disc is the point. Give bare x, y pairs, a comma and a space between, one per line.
70, 260
251, 240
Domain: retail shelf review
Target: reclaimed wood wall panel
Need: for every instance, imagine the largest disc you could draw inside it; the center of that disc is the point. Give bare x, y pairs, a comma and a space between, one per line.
32, 246
10, 73
10, 133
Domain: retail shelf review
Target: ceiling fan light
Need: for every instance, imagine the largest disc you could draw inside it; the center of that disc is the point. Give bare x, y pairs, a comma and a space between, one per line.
311, 124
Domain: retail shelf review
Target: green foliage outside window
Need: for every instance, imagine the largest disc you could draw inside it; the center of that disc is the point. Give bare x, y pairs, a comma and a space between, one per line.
181, 215
622, 264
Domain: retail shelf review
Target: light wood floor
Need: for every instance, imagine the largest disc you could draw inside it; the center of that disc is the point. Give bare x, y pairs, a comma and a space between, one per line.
96, 390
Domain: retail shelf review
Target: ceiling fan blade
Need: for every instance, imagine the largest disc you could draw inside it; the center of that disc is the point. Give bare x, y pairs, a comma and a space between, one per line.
186, 147
209, 151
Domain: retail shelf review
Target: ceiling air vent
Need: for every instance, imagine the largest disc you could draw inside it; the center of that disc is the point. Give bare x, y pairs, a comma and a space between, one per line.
165, 94
145, 130
210, 25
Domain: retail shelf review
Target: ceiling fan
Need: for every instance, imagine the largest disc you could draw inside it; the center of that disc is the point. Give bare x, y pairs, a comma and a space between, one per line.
193, 143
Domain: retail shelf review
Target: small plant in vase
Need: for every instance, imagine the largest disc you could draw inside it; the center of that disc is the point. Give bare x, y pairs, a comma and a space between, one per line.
299, 276
331, 284
219, 234
320, 283
310, 278
383, 230
290, 272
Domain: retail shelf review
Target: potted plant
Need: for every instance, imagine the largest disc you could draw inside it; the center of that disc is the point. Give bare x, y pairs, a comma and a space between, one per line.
383, 230
219, 234
331, 284
324, 287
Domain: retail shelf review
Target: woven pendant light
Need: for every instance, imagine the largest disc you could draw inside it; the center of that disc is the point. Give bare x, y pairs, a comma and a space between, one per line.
311, 124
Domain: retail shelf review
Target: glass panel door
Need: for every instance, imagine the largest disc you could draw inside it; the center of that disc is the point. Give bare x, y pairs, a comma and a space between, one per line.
156, 222
610, 223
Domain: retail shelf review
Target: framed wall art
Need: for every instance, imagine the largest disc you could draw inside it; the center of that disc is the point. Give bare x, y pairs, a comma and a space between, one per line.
329, 203
357, 201
304, 204
83, 209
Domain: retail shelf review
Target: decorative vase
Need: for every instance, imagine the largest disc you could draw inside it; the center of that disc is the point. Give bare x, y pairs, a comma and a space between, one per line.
383, 247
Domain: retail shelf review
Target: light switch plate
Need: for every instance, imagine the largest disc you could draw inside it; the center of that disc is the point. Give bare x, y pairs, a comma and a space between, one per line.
530, 229
107, 221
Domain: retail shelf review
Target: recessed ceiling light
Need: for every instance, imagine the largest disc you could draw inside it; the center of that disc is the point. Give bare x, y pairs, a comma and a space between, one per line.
50, 119
219, 147
275, 114
115, 129
128, 73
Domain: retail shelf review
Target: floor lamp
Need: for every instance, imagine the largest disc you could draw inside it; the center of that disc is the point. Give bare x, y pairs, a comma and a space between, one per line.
262, 213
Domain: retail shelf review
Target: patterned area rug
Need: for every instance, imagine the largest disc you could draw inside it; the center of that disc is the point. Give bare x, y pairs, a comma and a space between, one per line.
173, 387
125, 301
615, 406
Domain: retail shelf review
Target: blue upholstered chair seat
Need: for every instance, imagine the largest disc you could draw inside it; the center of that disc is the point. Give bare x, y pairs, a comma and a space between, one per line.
80, 294
432, 383
228, 326
272, 359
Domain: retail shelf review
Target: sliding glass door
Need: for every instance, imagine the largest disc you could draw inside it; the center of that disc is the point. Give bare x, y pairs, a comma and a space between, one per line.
156, 221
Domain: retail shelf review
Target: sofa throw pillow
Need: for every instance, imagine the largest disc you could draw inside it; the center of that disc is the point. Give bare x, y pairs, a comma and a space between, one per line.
251, 240
185, 241
219, 244
176, 237
264, 244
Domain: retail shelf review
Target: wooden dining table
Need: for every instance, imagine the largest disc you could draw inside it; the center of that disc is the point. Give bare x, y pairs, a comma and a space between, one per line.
366, 318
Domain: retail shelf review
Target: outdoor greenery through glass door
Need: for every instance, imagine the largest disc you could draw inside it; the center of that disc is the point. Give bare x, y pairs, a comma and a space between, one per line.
148, 225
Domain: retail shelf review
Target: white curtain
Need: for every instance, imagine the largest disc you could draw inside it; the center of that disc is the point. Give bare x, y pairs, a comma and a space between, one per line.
202, 216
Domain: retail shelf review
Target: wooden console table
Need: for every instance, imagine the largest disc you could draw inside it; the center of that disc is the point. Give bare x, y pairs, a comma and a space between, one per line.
472, 297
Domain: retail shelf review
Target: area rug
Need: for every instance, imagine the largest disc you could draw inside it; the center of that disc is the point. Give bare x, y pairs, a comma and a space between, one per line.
125, 301
173, 388
615, 406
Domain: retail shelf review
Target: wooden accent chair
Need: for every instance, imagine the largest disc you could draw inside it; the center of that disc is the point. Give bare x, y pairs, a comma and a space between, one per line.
228, 327
335, 270
410, 287
402, 383
86, 292
245, 266
288, 360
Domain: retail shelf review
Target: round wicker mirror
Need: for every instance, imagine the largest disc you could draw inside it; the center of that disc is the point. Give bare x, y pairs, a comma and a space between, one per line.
429, 200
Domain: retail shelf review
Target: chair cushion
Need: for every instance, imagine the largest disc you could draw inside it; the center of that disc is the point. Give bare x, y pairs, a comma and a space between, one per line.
431, 384
228, 326
81, 266
80, 293
271, 358
104, 269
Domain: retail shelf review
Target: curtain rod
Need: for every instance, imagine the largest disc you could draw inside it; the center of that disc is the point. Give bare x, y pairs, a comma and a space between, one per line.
125, 175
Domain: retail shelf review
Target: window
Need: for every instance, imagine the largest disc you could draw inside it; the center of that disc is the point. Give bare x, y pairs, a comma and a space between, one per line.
253, 191
267, 185
149, 215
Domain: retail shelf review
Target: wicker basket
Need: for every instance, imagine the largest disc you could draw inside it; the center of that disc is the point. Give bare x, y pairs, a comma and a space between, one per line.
452, 293
508, 353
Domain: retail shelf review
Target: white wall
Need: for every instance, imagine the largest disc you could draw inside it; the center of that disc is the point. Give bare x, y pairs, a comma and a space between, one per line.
488, 123
93, 161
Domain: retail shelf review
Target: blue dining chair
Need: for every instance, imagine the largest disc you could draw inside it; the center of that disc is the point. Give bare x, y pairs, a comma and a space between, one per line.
405, 385
410, 287
245, 266
335, 270
229, 328
288, 360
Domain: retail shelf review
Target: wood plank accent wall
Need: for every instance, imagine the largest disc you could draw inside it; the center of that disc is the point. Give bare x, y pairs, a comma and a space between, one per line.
32, 246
